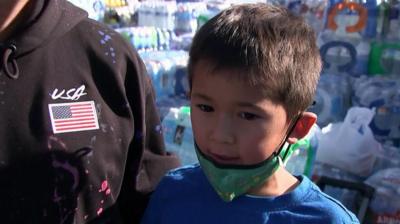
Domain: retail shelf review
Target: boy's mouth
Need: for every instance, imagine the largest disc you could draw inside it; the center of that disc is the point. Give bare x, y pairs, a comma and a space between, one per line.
223, 159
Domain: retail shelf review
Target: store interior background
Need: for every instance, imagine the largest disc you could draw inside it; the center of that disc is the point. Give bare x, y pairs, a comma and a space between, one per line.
353, 152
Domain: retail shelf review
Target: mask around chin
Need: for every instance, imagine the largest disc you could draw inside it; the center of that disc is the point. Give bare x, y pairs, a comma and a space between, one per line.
231, 181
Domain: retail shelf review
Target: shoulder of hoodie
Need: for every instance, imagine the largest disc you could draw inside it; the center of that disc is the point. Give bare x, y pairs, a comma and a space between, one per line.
99, 37
95, 32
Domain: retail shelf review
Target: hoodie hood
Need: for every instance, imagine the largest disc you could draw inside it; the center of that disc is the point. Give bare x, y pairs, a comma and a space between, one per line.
49, 19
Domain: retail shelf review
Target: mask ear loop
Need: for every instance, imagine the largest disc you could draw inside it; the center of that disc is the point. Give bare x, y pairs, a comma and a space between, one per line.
290, 130
281, 163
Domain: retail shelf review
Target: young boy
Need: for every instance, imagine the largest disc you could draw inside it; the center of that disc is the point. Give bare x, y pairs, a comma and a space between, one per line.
253, 72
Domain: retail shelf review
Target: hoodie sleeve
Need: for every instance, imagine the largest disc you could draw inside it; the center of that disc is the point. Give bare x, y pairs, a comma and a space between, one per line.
147, 160
156, 161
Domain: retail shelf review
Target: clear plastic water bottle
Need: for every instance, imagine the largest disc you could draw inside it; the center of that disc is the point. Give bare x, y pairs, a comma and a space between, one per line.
315, 15
388, 156
339, 57
363, 49
394, 21
178, 134
167, 79
396, 63
382, 57
386, 200
379, 93
347, 197
372, 20
164, 14
204, 16
144, 14
302, 154
333, 98
94, 8
382, 27
155, 71
387, 60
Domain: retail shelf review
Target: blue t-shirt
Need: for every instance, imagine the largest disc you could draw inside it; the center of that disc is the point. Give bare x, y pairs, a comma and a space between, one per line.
185, 196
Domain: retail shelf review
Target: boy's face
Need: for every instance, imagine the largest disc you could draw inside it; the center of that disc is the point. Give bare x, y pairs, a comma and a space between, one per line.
233, 123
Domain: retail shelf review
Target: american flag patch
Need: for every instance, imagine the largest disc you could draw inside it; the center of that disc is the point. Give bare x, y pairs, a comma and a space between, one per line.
71, 117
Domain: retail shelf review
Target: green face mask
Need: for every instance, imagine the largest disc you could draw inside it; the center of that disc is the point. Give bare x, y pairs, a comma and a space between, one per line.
231, 181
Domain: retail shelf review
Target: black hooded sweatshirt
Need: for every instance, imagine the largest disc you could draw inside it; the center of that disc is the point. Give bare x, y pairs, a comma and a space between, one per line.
80, 138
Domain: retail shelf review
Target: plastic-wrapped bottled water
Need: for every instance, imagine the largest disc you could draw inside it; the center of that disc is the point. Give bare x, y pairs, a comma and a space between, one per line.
396, 63
347, 197
387, 60
372, 20
386, 200
164, 14
166, 81
315, 15
157, 14
363, 49
161, 68
95, 8
382, 57
381, 93
387, 157
186, 16
302, 154
394, 21
339, 57
347, 19
178, 134
165, 104
183, 19
382, 27
332, 99
182, 83
343, 51
144, 15
163, 39
204, 16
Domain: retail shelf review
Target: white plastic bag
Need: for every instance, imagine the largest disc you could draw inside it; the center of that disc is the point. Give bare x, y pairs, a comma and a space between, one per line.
350, 145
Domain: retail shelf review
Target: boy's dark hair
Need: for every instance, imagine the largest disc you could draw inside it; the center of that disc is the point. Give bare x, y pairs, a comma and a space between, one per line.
271, 48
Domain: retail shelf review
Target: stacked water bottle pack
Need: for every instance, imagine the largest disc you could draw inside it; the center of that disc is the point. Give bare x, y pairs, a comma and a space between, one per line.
159, 14
360, 48
181, 17
148, 38
178, 134
312, 10
383, 94
95, 8
358, 39
168, 72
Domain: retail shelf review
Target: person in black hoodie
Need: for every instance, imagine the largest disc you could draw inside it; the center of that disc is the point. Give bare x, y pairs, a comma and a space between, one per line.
80, 138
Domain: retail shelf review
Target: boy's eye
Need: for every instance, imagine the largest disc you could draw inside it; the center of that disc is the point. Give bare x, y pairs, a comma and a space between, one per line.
248, 116
205, 108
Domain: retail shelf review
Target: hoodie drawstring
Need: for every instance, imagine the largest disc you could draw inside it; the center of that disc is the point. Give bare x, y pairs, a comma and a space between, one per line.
8, 55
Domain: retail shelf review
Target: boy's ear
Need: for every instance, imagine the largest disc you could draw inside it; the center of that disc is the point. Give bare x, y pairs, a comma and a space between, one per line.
302, 127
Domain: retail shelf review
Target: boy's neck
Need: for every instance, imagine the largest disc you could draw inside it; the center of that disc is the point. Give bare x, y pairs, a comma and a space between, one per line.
12, 13
281, 182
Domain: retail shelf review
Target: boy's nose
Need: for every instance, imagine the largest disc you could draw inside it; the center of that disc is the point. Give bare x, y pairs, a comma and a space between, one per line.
223, 132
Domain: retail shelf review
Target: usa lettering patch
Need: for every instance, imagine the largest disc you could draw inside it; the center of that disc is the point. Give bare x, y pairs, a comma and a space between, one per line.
72, 117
